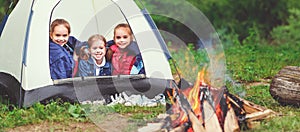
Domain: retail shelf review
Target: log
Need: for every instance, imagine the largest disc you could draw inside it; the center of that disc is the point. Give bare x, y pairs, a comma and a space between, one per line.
259, 115
180, 128
231, 122
248, 106
285, 86
211, 120
196, 123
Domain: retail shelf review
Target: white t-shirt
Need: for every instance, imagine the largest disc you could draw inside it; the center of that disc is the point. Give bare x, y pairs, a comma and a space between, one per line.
98, 67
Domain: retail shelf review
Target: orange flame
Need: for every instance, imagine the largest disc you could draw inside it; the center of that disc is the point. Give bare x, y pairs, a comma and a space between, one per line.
193, 97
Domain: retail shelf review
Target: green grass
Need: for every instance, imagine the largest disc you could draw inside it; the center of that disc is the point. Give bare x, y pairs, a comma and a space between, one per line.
288, 119
252, 62
187, 61
52, 112
290, 116
66, 112
139, 112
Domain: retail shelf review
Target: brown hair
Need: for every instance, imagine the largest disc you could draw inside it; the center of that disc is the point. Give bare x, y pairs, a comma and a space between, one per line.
95, 38
57, 22
84, 53
123, 25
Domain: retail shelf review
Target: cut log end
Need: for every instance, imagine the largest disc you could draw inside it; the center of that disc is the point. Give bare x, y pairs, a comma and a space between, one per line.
285, 86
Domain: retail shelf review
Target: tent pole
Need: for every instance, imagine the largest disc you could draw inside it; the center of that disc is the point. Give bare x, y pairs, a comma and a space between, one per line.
24, 58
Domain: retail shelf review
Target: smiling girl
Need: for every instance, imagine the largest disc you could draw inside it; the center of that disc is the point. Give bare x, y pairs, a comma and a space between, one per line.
61, 47
124, 54
96, 64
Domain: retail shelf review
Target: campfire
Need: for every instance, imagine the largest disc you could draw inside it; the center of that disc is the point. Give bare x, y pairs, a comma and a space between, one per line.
201, 108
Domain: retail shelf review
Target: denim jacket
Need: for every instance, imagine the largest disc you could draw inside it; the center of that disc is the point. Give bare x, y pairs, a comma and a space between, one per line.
61, 60
88, 68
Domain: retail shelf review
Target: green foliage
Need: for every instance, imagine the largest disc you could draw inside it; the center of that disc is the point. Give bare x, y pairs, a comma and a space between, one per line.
4, 5
188, 61
76, 111
2, 9
293, 4
235, 16
288, 33
228, 38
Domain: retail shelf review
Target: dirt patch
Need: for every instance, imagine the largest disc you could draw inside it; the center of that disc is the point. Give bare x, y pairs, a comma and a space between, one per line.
265, 82
112, 122
57, 127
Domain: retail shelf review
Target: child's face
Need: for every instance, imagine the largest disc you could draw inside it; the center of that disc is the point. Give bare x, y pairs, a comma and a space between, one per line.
60, 35
122, 37
98, 50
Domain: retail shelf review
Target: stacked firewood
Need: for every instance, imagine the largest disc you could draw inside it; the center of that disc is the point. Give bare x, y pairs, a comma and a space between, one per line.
239, 112
202, 108
229, 114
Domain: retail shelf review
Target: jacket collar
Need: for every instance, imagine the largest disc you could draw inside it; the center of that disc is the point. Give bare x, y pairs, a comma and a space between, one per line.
91, 62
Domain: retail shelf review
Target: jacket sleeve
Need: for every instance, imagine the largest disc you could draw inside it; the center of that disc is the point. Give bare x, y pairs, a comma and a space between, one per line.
73, 41
61, 69
138, 66
84, 68
78, 47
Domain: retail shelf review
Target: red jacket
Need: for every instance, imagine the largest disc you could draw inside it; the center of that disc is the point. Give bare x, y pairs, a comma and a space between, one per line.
122, 60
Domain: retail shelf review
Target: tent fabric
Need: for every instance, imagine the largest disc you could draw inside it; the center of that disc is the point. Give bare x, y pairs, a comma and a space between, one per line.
25, 38
86, 18
157, 34
11, 46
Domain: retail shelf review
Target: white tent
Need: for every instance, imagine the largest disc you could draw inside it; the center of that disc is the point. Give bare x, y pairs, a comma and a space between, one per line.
24, 48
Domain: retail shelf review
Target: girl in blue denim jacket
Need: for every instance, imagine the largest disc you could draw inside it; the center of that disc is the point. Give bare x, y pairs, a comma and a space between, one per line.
93, 62
61, 46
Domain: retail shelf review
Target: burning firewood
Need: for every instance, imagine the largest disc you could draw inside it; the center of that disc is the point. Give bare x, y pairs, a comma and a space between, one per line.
248, 106
196, 123
225, 115
231, 123
180, 128
203, 108
211, 123
252, 112
259, 115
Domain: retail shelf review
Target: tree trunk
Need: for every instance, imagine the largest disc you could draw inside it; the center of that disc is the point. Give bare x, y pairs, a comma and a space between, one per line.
285, 86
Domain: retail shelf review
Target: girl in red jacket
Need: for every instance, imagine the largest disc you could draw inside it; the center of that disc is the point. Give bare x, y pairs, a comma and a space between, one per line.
124, 53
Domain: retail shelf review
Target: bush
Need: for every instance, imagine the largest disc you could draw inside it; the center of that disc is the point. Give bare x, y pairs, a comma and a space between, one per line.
288, 33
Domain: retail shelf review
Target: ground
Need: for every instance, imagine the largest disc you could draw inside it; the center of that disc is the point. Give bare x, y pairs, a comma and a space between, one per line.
57, 127
111, 123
